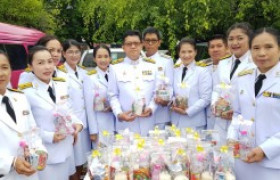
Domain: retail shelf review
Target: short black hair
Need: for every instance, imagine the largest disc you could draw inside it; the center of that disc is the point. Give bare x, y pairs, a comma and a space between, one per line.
186, 41
217, 37
273, 32
71, 42
6, 55
34, 50
151, 30
43, 41
132, 33
244, 26
102, 46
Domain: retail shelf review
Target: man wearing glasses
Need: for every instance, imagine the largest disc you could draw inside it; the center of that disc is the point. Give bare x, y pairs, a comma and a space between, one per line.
131, 87
152, 42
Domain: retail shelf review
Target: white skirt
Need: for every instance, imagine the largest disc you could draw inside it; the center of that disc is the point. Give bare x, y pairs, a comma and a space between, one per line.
82, 147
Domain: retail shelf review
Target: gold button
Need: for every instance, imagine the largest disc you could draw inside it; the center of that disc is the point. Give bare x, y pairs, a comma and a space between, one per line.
253, 119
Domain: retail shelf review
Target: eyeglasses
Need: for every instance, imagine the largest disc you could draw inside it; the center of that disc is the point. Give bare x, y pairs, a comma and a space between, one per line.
71, 53
130, 44
151, 41
59, 51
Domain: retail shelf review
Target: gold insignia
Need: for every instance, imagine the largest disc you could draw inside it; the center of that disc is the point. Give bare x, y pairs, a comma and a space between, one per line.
149, 60
15, 90
91, 72
64, 97
27, 69
223, 58
25, 85
177, 65
25, 112
245, 72
83, 67
62, 68
117, 61
165, 56
204, 62
267, 94
58, 79
147, 72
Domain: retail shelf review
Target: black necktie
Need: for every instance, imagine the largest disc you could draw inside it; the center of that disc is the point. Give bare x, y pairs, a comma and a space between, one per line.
184, 72
51, 94
258, 84
236, 64
54, 74
76, 73
10, 110
106, 77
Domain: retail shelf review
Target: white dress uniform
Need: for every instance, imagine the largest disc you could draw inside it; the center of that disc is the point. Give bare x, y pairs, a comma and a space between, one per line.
76, 93
96, 86
264, 111
43, 108
128, 81
197, 87
28, 76
10, 133
164, 68
223, 76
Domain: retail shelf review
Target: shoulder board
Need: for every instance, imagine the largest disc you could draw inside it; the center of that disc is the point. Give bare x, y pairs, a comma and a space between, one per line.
28, 69
223, 58
62, 68
58, 79
245, 72
165, 56
149, 60
15, 90
25, 85
83, 67
177, 65
203, 63
91, 72
117, 61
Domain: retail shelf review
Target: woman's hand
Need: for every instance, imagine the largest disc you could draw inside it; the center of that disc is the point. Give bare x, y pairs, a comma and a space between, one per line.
179, 110
147, 112
23, 167
58, 137
227, 115
161, 102
78, 128
93, 137
256, 155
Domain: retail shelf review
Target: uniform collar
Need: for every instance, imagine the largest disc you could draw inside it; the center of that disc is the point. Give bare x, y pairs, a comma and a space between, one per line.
7, 93
242, 58
132, 62
190, 66
154, 56
69, 69
99, 71
38, 84
274, 71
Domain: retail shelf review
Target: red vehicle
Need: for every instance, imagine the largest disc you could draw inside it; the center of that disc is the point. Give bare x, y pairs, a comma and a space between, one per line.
16, 41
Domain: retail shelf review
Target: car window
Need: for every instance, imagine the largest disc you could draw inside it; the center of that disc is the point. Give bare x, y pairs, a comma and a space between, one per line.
17, 55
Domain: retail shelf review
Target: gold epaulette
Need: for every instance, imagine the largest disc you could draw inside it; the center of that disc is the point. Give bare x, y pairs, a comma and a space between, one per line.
149, 60
25, 85
91, 72
83, 67
204, 62
62, 68
28, 69
165, 56
15, 90
227, 56
245, 72
60, 79
177, 65
117, 61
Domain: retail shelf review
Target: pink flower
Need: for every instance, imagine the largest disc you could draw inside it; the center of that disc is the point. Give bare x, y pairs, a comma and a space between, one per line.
22, 143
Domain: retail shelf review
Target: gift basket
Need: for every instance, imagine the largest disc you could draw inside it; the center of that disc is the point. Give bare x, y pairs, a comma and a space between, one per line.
32, 149
181, 101
138, 106
63, 121
100, 103
162, 90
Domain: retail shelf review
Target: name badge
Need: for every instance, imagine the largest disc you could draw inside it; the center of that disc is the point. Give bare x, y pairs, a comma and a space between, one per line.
25, 112
147, 72
276, 95
267, 94
64, 97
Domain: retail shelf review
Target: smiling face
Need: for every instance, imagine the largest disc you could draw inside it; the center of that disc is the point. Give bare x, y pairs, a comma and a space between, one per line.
217, 49
265, 51
132, 47
5, 73
72, 55
102, 59
238, 42
55, 49
187, 53
43, 65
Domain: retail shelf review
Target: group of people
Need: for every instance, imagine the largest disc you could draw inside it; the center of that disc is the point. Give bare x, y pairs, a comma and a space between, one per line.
139, 93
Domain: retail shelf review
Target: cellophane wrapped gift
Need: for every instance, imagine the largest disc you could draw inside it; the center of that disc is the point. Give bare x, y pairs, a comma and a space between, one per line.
63, 122
32, 149
138, 106
211, 136
224, 162
158, 165
163, 90
223, 104
98, 162
100, 103
157, 133
179, 166
181, 101
106, 139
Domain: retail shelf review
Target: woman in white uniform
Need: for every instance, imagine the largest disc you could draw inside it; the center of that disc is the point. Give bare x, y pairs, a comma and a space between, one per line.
100, 116
258, 100
16, 118
192, 89
75, 78
48, 98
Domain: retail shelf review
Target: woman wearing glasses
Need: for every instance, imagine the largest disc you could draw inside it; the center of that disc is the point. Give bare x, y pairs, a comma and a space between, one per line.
75, 77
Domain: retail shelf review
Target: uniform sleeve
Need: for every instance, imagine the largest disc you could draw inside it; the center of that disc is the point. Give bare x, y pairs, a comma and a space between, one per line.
271, 146
215, 94
204, 91
113, 93
5, 164
169, 73
152, 104
89, 98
